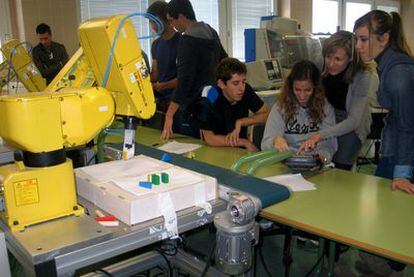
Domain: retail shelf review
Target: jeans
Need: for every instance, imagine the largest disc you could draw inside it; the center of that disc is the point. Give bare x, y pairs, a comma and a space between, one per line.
385, 168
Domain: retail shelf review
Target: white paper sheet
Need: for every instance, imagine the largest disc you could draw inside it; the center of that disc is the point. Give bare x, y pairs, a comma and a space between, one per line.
178, 178
178, 147
295, 182
136, 166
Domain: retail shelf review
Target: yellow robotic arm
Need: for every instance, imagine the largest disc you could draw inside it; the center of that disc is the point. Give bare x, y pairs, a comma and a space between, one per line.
41, 186
16, 55
76, 73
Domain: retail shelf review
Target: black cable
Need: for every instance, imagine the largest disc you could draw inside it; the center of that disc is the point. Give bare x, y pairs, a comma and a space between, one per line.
106, 273
208, 263
314, 266
170, 273
266, 269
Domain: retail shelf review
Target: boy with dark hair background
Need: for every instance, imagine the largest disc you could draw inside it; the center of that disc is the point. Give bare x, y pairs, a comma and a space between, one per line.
223, 111
199, 52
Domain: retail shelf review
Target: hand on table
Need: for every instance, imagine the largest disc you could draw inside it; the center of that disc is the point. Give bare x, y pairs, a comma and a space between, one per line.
248, 145
309, 144
403, 184
232, 138
280, 144
167, 129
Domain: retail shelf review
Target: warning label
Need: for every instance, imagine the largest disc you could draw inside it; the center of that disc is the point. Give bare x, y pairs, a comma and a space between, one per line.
26, 192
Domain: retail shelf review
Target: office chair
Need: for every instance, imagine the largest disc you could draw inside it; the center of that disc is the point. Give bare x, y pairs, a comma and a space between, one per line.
375, 137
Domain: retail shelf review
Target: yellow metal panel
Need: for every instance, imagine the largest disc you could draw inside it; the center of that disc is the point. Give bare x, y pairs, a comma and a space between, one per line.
19, 53
31, 122
42, 122
84, 114
129, 78
33, 195
76, 73
22, 63
31, 78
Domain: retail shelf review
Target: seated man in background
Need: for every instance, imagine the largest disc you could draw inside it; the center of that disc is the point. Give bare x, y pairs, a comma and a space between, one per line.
223, 111
48, 56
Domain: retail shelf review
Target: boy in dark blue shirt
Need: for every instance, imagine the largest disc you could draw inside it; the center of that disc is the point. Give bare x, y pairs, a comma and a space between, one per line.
223, 111
164, 56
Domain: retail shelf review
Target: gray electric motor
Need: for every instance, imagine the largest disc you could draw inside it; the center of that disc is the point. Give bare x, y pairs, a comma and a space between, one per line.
234, 244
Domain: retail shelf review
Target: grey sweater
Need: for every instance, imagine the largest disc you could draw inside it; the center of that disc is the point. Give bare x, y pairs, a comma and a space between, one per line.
364, 84
299, 129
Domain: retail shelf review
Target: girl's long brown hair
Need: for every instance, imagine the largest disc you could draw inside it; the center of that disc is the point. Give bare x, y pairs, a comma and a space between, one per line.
380, 22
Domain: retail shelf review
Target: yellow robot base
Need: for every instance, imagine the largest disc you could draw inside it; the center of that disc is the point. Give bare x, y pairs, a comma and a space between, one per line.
33, 195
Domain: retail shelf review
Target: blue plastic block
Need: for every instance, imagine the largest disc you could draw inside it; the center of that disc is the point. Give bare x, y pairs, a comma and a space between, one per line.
166, 158
147, 185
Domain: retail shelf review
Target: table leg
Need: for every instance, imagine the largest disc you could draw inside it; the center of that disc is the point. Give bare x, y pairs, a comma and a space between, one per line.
321, 252
287, 251
4, 260
331, 260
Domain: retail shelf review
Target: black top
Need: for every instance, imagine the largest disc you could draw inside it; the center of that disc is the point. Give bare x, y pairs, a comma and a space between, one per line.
197, 59
218, 115
50, 60
336, 90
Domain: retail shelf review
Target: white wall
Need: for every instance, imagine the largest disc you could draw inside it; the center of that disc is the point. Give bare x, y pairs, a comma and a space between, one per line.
5, 22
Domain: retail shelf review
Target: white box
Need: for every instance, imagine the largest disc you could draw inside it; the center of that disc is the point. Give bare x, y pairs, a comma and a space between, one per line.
113, 187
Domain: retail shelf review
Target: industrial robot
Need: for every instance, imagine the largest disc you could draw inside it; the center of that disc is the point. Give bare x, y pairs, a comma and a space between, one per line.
40, 186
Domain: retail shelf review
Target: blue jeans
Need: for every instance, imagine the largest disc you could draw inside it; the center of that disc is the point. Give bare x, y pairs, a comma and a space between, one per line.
385, 168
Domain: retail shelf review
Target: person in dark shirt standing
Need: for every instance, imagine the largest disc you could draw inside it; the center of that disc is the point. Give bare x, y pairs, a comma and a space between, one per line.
164, 56
48, 56
199, 51
223, 111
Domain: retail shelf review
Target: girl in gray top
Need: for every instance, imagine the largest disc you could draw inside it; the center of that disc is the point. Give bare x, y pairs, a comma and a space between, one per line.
300, 110
348, 83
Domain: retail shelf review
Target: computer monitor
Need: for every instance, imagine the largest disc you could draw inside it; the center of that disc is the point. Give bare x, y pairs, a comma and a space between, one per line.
264, 74
287, 48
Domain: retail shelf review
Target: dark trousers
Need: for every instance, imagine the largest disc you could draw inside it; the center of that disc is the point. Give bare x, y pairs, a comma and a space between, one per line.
184, 123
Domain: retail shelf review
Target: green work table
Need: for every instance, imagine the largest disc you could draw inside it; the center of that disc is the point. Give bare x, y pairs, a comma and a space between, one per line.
351, 208
355, 209
219, 156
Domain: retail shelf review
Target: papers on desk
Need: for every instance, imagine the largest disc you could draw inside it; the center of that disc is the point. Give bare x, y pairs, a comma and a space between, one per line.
294, 182
178, 178
123, 168
178, 147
